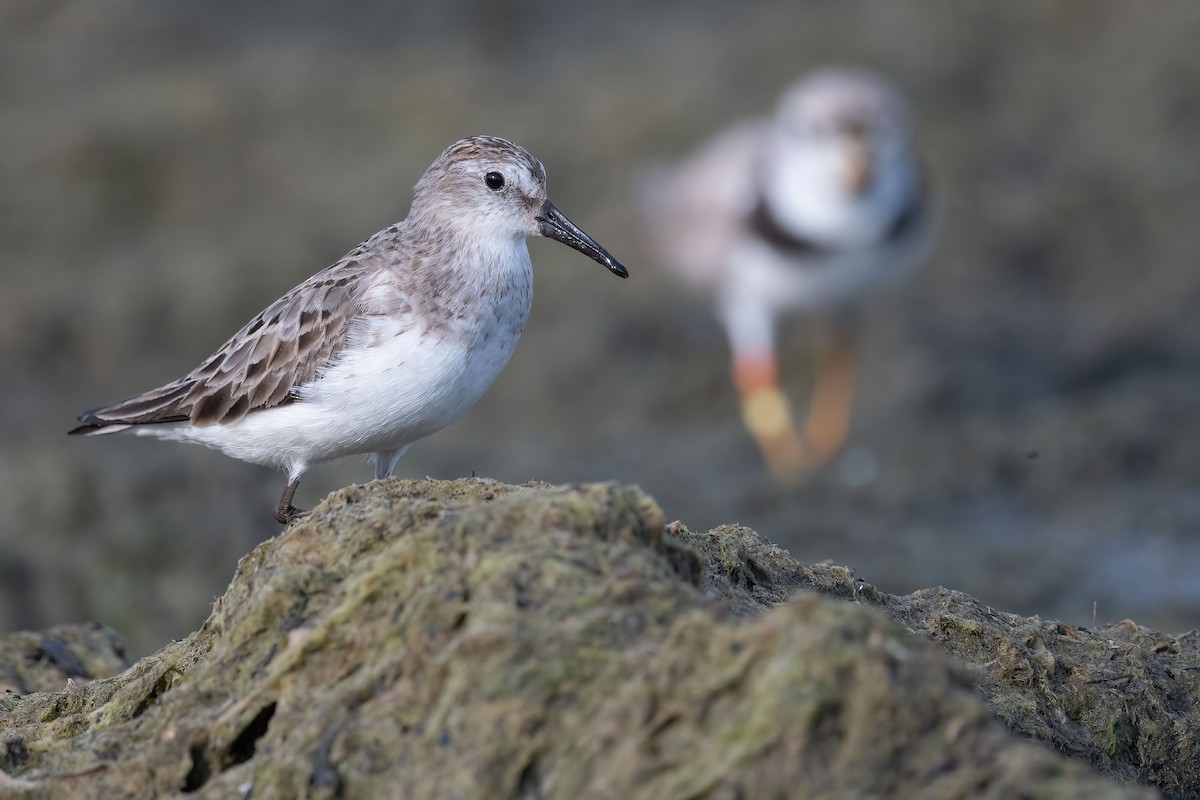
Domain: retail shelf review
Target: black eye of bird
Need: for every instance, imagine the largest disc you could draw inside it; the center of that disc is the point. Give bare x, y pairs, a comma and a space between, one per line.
494, 180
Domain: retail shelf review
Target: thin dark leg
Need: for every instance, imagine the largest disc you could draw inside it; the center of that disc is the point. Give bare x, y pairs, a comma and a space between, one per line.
286, 513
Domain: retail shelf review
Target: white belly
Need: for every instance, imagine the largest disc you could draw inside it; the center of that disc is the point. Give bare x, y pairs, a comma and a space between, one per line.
761, 285
782, 283
405, 384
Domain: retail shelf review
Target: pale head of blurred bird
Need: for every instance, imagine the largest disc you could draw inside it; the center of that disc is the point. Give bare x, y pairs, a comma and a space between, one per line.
810, 210
837, 169
388, 345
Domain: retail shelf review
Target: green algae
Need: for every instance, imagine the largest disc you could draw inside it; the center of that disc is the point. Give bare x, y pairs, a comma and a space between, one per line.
471, 639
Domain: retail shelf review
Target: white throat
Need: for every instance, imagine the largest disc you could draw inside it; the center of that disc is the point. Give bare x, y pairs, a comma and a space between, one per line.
807, 192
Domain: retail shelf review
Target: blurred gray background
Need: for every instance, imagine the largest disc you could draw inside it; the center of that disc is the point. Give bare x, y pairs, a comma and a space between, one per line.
1029, 402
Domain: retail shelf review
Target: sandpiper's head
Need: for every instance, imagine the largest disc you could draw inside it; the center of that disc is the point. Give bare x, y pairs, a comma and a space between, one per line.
485, 186
841, 138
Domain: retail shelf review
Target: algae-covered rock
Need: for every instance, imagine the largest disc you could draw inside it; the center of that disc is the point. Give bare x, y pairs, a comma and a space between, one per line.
1124, 698
40, 661
471, 639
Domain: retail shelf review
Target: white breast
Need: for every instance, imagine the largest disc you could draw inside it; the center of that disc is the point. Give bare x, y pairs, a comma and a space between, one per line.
401, 380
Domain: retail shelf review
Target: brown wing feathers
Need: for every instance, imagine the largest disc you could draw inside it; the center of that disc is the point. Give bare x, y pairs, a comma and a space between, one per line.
261, 366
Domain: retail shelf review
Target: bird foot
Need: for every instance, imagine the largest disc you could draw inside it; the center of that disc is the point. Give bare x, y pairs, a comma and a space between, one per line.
768, 418
790, 458
290, 514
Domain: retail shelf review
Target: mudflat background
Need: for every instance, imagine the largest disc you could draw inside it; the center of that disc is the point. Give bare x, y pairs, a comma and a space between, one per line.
1028, 423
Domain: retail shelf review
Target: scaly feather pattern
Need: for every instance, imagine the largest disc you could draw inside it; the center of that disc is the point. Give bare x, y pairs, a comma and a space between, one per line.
281, 349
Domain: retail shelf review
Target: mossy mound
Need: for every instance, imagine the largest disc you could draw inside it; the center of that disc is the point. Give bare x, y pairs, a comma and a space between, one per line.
36, 661
472, 639
1123, 697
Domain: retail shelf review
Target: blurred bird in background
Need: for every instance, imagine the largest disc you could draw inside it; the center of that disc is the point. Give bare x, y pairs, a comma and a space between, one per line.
803, 214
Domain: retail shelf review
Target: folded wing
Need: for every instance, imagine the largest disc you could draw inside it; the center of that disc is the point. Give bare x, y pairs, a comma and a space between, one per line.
261, 366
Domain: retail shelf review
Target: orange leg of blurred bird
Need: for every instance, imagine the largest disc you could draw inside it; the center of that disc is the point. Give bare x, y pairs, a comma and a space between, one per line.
767, 415
828, 422
790, 452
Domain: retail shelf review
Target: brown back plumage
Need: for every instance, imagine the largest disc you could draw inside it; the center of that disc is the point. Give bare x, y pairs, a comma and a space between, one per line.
262, 365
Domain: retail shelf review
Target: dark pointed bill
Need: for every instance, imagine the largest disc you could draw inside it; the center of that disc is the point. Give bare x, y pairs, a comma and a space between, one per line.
554, 225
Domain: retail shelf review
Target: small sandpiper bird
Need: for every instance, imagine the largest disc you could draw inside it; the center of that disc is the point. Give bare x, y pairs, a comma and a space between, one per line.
806, 212
390, 344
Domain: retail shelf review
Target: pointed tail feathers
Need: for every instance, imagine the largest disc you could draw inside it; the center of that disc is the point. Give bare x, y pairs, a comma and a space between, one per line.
157, 406
91, 429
